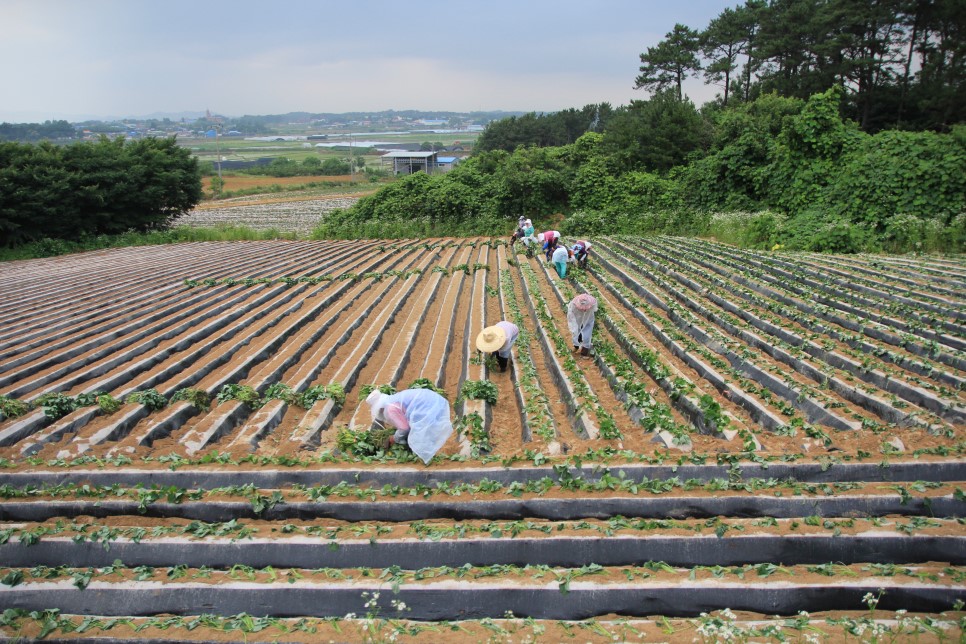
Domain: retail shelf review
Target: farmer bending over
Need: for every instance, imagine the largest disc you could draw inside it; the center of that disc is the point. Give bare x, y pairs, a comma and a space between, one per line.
581, 252
580, 320
419, 416
497, 340
562, 255
549, 239
519, 232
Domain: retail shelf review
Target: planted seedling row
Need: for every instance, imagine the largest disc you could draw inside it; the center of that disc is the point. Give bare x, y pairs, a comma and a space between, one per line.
909, 319
560, 360
855, 320
625, 383
911, 297
219, 331
945, 287
798, 329
713, 347
826, 373
446, 592
945, 313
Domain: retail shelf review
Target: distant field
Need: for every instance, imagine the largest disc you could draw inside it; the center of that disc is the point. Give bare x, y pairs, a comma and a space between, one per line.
243, 182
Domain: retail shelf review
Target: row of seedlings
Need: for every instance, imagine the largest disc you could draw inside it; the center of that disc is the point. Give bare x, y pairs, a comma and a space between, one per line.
640, 407
631, 369
913, 298
572, 547
732, 383
875, 272
859, 333
892, 315
140, 351
539, 420
201, 350
589, 420
793, 391
836, 371
338, 357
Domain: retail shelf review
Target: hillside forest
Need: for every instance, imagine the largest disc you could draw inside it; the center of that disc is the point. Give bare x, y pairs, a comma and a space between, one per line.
838, 128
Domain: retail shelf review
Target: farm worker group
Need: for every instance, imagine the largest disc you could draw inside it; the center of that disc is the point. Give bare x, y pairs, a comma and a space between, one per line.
419, 416
497, 340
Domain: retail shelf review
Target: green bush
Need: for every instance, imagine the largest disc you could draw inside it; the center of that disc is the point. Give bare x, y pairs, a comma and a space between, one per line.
150, 398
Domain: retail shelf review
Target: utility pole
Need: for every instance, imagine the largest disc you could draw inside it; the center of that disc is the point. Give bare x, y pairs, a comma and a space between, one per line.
352, 170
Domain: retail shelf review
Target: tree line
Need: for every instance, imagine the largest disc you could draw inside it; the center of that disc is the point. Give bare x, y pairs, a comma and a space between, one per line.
902, 62
93, 188
775, 170
48, 130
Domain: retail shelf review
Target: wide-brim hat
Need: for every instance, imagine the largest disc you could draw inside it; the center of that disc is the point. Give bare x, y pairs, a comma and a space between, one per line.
377, 403
584, 302
490, 339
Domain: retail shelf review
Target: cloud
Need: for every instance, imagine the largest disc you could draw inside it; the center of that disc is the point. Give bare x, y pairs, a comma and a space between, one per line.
114, 57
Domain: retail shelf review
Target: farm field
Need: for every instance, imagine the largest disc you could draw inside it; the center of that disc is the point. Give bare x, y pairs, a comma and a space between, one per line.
776, 434
296, 214
242, 182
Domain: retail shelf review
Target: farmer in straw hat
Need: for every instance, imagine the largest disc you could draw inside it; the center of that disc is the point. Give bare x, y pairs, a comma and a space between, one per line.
419, 416
497, 341
580, 320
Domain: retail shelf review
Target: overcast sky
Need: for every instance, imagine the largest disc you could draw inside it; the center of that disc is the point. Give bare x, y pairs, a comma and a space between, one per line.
79, 59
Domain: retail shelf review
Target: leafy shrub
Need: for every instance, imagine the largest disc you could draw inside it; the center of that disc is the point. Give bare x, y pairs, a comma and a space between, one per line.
108, 403
197, 397
13, 408
56, 404
150, 398
479, 390
242, 393
751, 229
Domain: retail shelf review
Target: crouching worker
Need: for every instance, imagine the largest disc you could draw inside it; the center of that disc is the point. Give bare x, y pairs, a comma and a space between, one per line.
580, 321
562, 255
549, 240
497, 340
581, 252
419, 416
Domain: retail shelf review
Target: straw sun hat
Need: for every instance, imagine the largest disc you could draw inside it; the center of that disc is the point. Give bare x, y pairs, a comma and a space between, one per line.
490, 339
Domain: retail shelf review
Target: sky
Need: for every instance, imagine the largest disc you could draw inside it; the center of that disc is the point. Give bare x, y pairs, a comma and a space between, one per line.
100, 59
